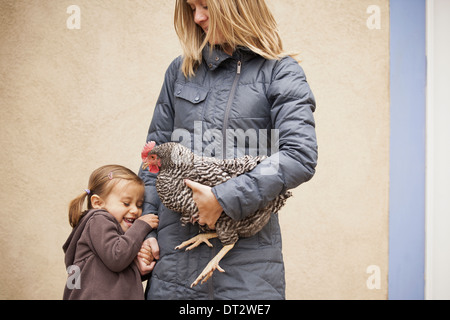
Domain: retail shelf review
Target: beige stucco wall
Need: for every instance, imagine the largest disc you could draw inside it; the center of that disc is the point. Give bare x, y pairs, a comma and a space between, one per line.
72, 100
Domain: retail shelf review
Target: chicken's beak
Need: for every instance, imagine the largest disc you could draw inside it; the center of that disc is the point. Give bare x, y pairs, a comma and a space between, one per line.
150, 162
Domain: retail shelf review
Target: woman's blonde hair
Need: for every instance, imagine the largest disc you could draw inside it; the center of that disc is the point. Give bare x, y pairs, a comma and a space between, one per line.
247, 23
101, 182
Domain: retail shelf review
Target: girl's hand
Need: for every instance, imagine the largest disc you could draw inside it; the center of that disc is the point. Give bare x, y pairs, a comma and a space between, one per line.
145, 259
151, 219
145, 253
143, 267
209, 209
149, 251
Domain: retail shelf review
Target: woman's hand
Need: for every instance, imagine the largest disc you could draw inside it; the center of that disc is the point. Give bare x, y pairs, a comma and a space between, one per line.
209, 209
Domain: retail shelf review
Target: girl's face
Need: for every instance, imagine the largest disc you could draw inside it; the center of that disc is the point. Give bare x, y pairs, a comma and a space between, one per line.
201, 18
124, 202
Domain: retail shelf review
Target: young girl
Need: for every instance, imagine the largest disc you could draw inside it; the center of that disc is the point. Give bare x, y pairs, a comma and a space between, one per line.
106, 238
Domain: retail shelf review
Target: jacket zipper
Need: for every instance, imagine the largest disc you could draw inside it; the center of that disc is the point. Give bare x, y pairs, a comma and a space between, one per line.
224, 146
228, 109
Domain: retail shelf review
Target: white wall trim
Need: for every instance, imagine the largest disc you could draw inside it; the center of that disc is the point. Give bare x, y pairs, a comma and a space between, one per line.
429, 151
437, 190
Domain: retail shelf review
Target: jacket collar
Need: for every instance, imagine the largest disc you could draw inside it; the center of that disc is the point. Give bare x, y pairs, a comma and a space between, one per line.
215, 57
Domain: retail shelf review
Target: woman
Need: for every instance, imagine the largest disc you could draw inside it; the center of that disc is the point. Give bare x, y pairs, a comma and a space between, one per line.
233, 83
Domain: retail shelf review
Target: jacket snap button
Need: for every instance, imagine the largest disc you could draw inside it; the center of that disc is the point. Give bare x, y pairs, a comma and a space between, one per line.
217, 58
210, 65
196, 99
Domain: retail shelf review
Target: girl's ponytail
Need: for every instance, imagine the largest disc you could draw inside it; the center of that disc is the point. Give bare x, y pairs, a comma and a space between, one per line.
76, 209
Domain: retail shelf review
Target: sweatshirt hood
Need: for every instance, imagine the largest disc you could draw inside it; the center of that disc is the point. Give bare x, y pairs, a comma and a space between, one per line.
70, 245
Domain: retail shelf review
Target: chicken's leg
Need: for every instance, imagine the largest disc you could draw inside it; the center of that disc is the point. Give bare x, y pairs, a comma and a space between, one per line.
197, 240
213, 265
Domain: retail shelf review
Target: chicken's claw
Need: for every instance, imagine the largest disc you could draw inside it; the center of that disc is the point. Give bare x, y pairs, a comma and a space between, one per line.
197, 240
212, 265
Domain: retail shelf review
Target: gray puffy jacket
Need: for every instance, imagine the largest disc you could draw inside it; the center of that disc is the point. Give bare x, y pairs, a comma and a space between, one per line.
233, 105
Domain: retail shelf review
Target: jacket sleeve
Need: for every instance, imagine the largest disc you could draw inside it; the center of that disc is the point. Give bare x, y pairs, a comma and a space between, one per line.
115, 250
292, 107
160, 131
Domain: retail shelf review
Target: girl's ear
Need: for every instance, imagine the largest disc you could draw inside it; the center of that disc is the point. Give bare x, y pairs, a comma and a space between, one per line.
97, 202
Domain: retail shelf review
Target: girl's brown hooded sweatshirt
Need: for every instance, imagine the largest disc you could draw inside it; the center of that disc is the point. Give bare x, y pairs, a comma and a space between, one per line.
99, 259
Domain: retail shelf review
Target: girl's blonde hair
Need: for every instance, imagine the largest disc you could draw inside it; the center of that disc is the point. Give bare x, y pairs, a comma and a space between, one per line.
247, 23
101, 182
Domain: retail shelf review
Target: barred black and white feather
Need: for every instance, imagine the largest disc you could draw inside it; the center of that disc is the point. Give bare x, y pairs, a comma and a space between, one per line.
179, 163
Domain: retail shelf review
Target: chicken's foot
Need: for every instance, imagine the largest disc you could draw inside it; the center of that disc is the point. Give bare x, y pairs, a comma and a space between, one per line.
213, 265
197, 240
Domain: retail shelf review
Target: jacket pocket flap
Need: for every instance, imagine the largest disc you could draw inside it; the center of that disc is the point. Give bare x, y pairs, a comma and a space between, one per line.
192, 94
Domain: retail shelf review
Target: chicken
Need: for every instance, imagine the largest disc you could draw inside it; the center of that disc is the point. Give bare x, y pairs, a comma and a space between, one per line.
176, 163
